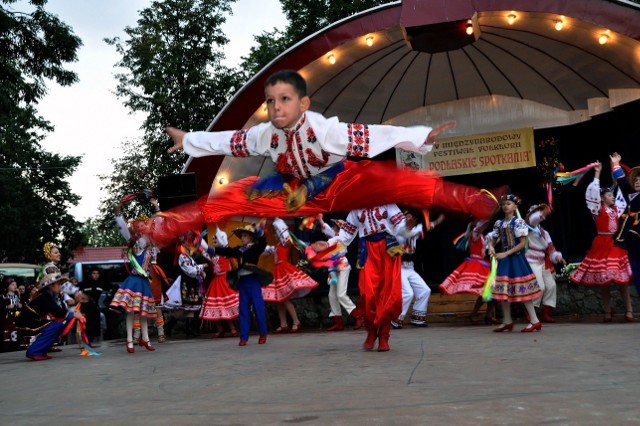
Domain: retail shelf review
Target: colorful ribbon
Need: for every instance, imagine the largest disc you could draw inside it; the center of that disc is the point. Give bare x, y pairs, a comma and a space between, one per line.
565, 178
491, 278
461, 242
147, 193
132, 261
81, 333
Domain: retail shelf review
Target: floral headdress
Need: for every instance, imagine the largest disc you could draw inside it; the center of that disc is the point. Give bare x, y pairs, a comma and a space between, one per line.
511, 197
48, 247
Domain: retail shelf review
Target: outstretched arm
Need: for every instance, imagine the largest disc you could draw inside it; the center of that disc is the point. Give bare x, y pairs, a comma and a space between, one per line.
176, 136
433, 135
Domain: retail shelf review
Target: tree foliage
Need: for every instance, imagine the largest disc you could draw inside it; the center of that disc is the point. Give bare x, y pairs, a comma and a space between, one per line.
172, 71
35, 47
100, 234
304, 19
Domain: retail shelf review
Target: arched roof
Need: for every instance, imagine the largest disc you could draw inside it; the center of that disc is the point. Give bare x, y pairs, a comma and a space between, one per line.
516, 69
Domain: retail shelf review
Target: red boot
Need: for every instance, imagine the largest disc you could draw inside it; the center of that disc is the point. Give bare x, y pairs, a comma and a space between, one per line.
359, 319
372, 335
546, 314
467, 199
338, 324
383, 337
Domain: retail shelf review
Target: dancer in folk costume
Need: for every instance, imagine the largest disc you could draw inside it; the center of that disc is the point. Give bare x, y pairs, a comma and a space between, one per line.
514, 281
134, 295
221, 303
309, 153
288, 281
53, 255
379, 258
44, 317
249, 278
158, 282
605, 262
541, 255
413, 285
471, 275
193, 259
628, 233
338, 288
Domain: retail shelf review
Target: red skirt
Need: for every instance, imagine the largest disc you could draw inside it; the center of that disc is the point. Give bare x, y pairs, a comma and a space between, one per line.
288, 283
604, 263
220, 302
469, 277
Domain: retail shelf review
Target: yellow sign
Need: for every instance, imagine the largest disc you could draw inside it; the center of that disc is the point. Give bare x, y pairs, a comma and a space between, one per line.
504, 150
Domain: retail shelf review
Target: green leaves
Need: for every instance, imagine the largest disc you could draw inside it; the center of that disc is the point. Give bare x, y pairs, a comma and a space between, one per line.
35, 196
171, 70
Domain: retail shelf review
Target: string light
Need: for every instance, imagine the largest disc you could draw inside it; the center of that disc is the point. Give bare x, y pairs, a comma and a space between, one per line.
469, 28
559, 24
603, 39
332, 59
369, 41
511, 18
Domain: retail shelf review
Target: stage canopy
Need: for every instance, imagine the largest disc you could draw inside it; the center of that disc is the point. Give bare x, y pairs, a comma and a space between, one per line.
479, 62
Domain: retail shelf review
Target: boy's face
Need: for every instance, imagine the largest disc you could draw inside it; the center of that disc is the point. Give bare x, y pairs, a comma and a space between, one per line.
55, 287
246, 238
284, 105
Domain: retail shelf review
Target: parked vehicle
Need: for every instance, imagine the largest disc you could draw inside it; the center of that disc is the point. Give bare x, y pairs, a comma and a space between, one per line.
24, 273
111, 271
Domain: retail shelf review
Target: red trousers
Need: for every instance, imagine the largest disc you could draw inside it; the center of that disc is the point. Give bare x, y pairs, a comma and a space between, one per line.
380, 285
360, 185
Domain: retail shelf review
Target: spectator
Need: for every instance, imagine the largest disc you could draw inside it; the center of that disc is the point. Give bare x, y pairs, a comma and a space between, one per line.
10, 306
92, 288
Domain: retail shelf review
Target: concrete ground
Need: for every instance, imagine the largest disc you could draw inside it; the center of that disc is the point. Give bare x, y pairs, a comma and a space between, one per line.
570, 373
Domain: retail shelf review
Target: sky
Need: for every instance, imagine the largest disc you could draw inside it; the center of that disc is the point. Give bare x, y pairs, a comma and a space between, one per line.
89, 120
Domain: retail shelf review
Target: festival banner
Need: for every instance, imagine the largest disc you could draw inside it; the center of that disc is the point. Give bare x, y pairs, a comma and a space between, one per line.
487, 152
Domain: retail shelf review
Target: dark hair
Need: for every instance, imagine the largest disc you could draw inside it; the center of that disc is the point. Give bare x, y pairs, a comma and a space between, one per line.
290, 77
94, 268
317, 236
249, 233
416, 214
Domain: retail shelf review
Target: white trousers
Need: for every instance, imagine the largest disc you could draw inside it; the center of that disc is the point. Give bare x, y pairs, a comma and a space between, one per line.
547, 282
413, 286
338, 295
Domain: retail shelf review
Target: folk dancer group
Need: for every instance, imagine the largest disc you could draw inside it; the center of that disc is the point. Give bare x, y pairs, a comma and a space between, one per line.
315, 176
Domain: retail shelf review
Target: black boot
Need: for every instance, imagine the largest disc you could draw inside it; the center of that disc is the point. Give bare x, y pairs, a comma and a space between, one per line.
195, 327
187, 327
168, 326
